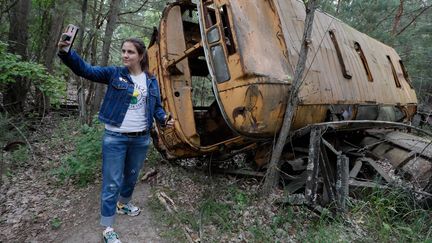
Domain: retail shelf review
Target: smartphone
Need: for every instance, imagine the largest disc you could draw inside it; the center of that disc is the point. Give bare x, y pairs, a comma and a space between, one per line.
69, 34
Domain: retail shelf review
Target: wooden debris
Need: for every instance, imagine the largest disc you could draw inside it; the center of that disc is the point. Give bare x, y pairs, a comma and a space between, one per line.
327, 173
150, 173
356, 169
342, 183
406, 141
365, 184
243, 172
378, 169
313, 166
296, 184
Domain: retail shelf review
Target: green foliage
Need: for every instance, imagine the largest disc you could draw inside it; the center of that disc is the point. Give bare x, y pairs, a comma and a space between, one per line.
202, 91
12, 67
83, 165
153, 156
56, 223
162, 216
217, 213
20, 156
394, 214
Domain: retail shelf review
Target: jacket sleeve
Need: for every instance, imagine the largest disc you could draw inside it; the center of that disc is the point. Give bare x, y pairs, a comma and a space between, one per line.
83, 69
159, 113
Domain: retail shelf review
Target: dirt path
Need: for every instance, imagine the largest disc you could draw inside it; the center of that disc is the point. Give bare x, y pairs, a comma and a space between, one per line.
86, 228
35, 207
29, 206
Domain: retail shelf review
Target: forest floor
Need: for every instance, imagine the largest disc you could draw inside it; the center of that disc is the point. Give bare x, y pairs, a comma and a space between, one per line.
36, 208
182, 202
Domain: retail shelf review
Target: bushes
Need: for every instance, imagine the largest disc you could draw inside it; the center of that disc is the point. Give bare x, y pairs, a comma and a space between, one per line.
83, 165
394, 215
12, 67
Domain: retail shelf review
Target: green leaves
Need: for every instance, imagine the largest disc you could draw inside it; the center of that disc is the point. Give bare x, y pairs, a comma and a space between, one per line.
13, 68
83, 165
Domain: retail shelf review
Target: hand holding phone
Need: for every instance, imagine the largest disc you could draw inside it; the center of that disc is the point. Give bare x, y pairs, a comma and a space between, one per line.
67, 38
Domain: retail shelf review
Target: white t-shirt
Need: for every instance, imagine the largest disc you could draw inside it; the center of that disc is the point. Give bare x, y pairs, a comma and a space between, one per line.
135, 118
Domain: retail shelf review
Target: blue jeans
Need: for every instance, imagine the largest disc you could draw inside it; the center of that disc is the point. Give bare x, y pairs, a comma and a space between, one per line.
122, 159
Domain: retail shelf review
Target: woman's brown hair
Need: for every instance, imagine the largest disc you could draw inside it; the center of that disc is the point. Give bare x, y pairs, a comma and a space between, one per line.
139, 45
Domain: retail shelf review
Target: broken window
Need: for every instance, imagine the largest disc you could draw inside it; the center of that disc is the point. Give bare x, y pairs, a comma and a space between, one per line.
345, 72
213, 25
220, 65
213, 35
364, 61
405, 74
395, 77
209, 15
229, 40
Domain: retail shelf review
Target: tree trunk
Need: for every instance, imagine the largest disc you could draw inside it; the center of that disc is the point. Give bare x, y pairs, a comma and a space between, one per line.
109, 30
338, 6
16, 93
398, 17
49, 51
80, 84
91, 90
272, 175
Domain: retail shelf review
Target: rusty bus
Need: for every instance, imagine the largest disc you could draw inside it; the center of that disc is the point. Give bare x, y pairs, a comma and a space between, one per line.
226, 67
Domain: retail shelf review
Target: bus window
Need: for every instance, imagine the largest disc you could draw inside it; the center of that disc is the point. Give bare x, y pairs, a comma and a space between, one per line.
364, 61
345, 72
396, 79
209, 15
229, 40
405, 74
213, 35
220, 65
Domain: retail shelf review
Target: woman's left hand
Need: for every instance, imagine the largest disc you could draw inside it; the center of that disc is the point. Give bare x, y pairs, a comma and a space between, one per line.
169, 121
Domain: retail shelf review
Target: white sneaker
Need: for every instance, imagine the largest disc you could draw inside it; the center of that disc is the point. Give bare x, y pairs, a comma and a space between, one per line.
110, 236
128, 209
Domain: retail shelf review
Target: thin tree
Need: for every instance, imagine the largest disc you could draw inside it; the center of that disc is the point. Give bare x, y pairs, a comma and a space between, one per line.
272, 175
398, 17
109, 30
80, 84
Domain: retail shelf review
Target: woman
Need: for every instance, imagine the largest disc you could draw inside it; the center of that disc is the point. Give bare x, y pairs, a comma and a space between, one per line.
131, 102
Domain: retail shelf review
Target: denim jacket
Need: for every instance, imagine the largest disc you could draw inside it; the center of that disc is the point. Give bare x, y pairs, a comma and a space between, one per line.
119, 92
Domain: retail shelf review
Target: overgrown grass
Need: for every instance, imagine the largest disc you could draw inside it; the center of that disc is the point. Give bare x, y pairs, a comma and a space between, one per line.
163, 217
394, 215
226, 212
83, 165
153, 156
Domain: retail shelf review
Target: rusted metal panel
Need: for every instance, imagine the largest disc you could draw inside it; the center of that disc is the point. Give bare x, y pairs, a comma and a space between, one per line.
357, 89
409, 154
259, 42
250, 113
262, 54
175, 47
308, 114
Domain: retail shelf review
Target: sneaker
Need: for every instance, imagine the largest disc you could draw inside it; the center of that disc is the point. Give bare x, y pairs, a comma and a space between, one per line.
128, 209
110, 236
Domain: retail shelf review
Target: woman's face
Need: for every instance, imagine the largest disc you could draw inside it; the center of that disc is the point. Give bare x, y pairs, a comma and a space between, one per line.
130, 56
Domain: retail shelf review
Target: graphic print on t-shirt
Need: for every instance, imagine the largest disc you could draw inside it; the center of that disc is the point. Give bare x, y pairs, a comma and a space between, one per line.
138, 97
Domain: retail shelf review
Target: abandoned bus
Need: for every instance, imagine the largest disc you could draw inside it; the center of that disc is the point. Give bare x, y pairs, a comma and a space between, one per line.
226, 67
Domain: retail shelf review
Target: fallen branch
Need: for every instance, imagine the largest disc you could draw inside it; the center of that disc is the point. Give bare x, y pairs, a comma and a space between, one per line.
149, 174
169, 205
